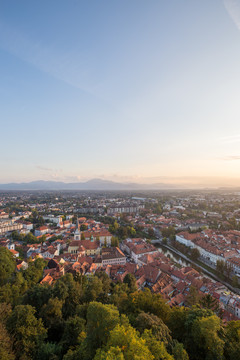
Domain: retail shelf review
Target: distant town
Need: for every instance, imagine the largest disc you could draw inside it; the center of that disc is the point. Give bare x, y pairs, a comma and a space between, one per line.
180, 244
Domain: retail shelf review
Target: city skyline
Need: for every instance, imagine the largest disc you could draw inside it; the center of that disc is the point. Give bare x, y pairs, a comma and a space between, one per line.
125, 91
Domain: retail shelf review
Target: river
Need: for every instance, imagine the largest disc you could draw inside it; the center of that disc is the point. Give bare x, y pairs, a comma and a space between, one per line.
172, 256
179, 260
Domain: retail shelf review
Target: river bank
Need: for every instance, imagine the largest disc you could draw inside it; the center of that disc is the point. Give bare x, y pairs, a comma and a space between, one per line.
183, 260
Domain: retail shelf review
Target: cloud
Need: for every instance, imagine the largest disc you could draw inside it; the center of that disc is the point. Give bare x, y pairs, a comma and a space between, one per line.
57, 175
43, 168
74, 178
233, 9
69, 67
230, 157
230, 139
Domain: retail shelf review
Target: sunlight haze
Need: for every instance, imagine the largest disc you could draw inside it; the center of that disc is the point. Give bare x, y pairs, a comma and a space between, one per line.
130, 90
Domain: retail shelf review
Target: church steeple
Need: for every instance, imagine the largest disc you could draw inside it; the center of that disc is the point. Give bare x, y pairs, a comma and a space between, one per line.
77, 234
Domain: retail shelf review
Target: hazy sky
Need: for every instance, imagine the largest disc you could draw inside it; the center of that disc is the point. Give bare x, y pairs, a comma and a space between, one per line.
126, 89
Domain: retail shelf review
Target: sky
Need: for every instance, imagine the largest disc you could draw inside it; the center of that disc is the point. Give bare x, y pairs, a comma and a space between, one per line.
128, 90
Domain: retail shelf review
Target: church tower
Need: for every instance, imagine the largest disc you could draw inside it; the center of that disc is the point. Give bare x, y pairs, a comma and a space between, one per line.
77, 234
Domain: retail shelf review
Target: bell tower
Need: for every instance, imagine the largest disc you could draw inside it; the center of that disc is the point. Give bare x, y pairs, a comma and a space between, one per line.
77, 234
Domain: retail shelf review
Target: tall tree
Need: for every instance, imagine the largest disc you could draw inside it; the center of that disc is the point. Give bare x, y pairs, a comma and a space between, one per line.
125, 340
130, 280
146, 321
6, 352
7, 265
27, 331
51, 313
179, 352
193, 296
156, 347
232, 340
208, 302
74, 333
101, 319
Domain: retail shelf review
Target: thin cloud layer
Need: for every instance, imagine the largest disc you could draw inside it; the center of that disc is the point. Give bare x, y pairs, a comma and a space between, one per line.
67, 67
43, 168
231, 157
230, 139
233, 8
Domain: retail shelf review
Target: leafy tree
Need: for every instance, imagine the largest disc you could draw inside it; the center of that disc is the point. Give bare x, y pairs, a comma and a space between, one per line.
28, 332
81, 311
155, 304
193, 296
130, 280
106, 285
164, 241
156, 347
30, 239
70, 292
147, 302
172, 237
179, 352
75, 295
151, 233
5, 311
205, 333
101, 319
131, 231
114, 227
146, 321
6, 352
202, 335
37, 296
60, 289
11, 293
7, 265
167, 232
74, 332
20, 250
232, 340
42, 239
220, 268
195, 254
119, 296
94, 289
48, 351
176, 322
125, 340
114, 353
208, 302
235, 282
34, 273
36, 219
51, 313
16, 236
114, 241
158, 209
122, 232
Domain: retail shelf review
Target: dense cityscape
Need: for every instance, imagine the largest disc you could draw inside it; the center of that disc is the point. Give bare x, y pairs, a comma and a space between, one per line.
183, 246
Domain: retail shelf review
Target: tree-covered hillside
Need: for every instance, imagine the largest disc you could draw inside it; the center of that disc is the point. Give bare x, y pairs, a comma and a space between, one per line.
83, 318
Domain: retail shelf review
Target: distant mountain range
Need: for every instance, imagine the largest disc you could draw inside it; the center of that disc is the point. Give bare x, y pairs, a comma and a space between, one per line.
100, 184
94, 184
